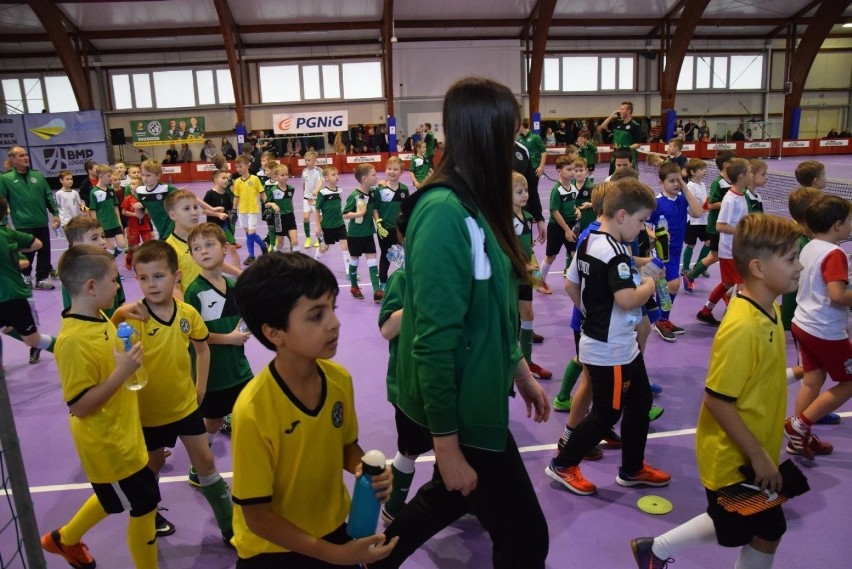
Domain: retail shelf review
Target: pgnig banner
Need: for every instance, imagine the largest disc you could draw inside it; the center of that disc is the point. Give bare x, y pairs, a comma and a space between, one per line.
49, 160
151, 132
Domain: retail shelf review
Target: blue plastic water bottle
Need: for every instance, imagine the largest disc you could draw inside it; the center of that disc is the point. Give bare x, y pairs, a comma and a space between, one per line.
139, 379
364, 514
396, 255
662, 287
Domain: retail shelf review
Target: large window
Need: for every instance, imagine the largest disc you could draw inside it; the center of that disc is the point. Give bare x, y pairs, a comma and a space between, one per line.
36, 94
171, 89
588, 73
721, 72
295, 82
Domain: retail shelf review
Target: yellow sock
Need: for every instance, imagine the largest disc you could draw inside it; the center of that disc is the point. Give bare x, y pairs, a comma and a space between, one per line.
89, 514
142, 540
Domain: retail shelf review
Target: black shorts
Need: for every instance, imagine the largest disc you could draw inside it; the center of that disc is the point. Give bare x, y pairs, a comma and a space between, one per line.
20, 314
288, 223
714, 241
293, 560
334, 234
113, 232
556, 239
167, 435
695, 233
412, 439
525, 292
217, 404
138, 493
361, 246
736, 530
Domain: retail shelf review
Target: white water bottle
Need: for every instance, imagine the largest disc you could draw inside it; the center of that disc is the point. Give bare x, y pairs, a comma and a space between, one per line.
360, 205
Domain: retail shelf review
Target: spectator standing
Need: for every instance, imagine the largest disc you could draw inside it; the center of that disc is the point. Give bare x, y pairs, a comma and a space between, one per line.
185, 153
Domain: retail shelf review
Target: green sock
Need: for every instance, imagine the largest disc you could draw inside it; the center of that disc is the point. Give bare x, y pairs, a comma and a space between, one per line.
307, 226
569, 379
401, 485
568, 257
216, 495
704, 252
687, 257
14, 334
696, 270
374, 277
526, 337
353, 275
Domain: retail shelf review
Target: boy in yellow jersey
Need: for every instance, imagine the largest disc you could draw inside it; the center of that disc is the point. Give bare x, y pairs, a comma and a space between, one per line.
183, 209
294, 426
247, 189
745, 399
168, 404
104, 416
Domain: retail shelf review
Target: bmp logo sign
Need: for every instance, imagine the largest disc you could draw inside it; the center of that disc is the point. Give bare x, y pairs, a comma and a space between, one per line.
66, 158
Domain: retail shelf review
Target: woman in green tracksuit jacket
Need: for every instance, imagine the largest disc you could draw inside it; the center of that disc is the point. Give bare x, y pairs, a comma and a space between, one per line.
458, 351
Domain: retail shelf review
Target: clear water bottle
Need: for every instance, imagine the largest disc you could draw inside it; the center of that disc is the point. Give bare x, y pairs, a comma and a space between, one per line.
243, 327
360, 205
663, 295
277, 217
396, 255
364, 513
139, 379
662, 239
58, 232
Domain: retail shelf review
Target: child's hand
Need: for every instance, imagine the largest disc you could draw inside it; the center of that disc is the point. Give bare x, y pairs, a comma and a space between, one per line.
134, 311
222, 216
569, 235
128, 362
237, 338
382, 484
365, 550
766, 474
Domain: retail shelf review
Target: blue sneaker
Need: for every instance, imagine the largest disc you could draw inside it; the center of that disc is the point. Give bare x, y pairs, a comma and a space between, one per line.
830, 419
656, 389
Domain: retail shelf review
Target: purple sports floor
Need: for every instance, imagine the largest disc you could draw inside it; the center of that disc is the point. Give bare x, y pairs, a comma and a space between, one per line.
584, 531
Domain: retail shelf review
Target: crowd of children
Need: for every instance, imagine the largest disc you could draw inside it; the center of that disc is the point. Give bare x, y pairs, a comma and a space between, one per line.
196, 366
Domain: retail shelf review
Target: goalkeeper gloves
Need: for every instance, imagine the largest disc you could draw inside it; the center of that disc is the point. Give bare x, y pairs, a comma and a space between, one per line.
381, 230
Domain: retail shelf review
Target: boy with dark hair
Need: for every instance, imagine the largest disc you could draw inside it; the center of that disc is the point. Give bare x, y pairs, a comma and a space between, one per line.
103, 415
744, 400
674, 204
819, 324
602, 282
718, 189
291, 513
583, 185
621, 159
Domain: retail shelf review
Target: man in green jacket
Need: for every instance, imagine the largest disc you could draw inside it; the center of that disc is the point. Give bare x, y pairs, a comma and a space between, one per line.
29, 196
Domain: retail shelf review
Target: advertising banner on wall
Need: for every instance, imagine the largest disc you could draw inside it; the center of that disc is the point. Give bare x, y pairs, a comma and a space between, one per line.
49, 160
154, 132
303, 123
54, 129
11, 132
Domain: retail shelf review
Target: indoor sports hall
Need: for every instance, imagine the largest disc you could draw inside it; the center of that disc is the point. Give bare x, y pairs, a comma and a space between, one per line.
769, 79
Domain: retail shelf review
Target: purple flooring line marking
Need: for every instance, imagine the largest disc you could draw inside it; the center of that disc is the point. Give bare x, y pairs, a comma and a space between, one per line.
597, 528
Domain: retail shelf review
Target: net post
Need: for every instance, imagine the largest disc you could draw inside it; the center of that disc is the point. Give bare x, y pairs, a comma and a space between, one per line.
11, 449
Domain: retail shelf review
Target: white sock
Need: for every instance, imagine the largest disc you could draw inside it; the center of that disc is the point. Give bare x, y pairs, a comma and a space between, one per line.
44, 341
317, 253
545, 268
750, 558
209, 479
346, 257
699, 530
403, 463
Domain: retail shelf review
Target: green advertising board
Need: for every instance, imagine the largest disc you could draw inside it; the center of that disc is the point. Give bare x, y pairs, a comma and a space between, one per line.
153, 132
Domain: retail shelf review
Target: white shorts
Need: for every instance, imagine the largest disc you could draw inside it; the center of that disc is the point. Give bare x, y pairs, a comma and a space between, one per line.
307, 206
248, 221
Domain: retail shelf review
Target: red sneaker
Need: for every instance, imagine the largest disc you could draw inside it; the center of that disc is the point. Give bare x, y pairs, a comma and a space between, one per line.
540, 372
798, 442
648, 476
356, 292
378, 296
571, 478
76, 555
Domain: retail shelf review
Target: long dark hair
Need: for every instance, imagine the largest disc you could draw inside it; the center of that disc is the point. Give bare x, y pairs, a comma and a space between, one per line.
481, 118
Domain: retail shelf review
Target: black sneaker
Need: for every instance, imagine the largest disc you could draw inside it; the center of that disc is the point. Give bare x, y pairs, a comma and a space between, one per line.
708, 319
663, 328
35, 355
249, 260
612, 439
537, 338
164, 526
644, 554
44, 285
676, 330
227, 537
